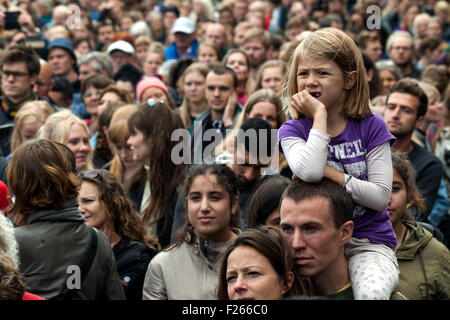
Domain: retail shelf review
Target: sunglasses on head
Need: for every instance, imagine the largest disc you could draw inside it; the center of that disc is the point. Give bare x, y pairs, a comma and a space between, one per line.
91, 174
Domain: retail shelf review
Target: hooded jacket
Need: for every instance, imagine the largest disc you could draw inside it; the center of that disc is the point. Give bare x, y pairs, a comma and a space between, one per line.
54, 241
184, 272
424, 264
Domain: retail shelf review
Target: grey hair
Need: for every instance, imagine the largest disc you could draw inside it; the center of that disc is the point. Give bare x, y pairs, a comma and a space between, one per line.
102, 62
8, 243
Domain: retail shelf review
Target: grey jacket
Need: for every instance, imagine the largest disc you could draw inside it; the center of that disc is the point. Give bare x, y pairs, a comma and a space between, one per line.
186, 272
54, 240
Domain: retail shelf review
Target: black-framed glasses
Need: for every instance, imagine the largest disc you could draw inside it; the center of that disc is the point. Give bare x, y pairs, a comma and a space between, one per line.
16, 75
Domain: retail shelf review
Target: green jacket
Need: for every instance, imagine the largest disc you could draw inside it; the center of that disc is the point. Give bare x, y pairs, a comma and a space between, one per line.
424, 264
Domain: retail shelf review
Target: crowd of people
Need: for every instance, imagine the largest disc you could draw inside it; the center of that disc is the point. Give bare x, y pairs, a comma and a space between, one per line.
234, 149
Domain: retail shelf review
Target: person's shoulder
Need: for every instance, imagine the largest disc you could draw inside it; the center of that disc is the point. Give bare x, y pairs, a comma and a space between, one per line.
425, 156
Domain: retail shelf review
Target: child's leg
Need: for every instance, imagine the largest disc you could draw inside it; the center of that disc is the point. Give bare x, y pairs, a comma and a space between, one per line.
373, 270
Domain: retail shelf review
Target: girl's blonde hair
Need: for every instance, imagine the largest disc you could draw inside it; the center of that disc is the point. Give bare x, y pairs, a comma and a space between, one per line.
184, 110
30, 112
336, 46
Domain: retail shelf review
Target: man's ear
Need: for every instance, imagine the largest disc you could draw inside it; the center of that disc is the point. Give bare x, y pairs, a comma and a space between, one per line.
350, 80
346, 231
287, 284
33, 80
419, 122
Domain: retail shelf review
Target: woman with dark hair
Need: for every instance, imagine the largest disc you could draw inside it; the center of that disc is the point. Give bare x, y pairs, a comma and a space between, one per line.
45, 210
424, 262
257, 265
187, 269
154, 193
264, 204
105, 206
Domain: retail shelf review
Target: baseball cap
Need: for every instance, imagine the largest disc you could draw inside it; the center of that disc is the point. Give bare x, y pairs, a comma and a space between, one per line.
121, 45
63, 43
183, 25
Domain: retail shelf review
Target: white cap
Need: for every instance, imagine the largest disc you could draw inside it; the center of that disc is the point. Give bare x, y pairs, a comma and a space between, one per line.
183, 25
121, 45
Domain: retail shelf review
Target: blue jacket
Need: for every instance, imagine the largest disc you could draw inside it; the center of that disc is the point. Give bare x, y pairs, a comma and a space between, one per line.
171, 51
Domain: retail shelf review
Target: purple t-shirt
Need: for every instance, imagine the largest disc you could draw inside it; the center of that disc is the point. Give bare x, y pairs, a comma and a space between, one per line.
347, 153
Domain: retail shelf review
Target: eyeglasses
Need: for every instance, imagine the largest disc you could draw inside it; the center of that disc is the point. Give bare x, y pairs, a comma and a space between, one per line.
91, 93
16, 75
401, 48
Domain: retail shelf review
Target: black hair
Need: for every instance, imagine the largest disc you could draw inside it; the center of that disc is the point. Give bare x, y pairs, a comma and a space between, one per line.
177, 69
259, 129
173, 9
62, 85
129, 72
220, 70
265, 200
339, 201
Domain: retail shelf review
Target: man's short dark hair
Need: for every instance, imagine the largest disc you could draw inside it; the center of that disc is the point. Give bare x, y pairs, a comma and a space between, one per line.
412, 87
262, 128
339, 200
128, 72
63, 85
170, 9
221, 70
22, 53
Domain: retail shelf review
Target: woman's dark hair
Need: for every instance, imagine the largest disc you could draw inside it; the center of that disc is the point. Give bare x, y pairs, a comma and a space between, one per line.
226, 177
406, 171
176, 71
98, 81
119, 208
265, 200
270, 242
40, 177
375, 85
157, 123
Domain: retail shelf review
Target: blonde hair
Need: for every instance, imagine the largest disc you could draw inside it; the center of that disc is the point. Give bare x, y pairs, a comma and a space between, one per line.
118, 133
57, 128
196, 67
266, 65
30, 112
338, 47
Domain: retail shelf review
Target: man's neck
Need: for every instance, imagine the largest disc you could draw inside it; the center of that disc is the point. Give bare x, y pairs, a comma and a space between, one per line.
333, 279
403, 144
216, 115
18, 100
71, 76
406, 69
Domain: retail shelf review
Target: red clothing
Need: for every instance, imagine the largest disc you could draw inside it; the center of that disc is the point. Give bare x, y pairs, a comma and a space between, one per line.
30, 296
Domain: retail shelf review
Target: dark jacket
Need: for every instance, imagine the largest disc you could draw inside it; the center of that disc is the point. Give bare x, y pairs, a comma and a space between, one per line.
429, 172
164, 226
52, 244
132, 258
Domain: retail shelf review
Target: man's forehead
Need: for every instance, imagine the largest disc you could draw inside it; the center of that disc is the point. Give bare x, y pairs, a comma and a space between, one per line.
403, 99
214, 78
312, 206
15, 66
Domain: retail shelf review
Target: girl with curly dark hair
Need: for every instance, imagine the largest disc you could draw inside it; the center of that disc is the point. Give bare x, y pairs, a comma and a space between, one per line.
105, 206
